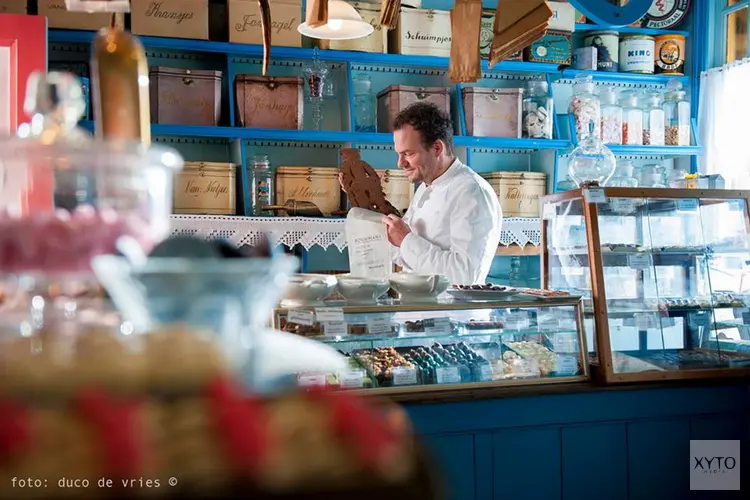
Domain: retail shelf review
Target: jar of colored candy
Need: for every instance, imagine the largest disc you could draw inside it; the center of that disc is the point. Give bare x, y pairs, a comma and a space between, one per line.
66, 197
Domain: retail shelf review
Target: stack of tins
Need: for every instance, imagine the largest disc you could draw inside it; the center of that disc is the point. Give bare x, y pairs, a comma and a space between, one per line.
518, 192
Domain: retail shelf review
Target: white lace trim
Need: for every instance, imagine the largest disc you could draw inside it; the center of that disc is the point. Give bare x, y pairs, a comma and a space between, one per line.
309, 232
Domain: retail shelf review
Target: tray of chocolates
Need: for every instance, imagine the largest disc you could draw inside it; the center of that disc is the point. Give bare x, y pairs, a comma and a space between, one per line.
486, 292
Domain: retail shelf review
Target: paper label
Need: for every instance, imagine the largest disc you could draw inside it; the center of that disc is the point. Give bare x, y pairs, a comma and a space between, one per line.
567, 365
311, 380
300, 317
329, 314
448, 375
595, 196
404, 376
687, 204
367, 244
379, 324
639, 261
485, 372
437, 326
352, 380
622, 205
549, 211
335, 328
516, 321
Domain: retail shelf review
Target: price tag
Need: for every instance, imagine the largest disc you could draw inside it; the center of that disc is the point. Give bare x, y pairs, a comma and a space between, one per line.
549, 211
404, 376
329, 314
379, 324
595, 196
448, 375
335, 328
437, 326
622, 205
352, 380
485, 372
639, 261
563, 342
566, 365
300, 317
549, 325
687, 205
311, 380
516, 321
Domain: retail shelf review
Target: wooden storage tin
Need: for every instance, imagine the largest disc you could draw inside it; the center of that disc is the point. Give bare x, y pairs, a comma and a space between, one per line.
172, 18
318, 185
377, 41
205, 188
245, 24
269, 102
398, 189
492, 112
518, 192
394, 98
421, 32
185, 96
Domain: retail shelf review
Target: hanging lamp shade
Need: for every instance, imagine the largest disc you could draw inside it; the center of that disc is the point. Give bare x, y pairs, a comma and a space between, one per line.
344, 23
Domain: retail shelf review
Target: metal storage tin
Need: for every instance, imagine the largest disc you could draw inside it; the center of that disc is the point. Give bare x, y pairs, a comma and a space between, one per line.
669, 55
518, 192
607, 49
493, 112
205, 188
318, 185
394, 98
636, 54
269, 102
185, 96
398, 189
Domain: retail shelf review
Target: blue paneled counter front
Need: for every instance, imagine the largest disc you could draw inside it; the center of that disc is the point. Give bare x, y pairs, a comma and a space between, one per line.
583, 442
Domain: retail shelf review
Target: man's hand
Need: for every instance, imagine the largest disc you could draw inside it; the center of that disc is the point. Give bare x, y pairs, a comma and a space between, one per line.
397, 229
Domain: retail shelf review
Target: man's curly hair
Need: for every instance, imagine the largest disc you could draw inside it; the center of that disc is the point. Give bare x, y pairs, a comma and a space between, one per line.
432, 123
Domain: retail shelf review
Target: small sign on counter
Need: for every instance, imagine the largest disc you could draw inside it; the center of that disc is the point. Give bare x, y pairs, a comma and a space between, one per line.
622, 205
595, 196
352, 380
335, 328
300, 317
379, 324
329, 314
448, 375
437, 326
567, 365
639, 261
311, 380
404, 376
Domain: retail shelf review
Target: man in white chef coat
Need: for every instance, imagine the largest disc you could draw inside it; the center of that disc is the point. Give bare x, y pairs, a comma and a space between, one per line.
452, 225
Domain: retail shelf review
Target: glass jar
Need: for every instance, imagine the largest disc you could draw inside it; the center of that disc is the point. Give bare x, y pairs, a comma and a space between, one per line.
623, 176
652, 175
676, 115
585, 107
365, 105
591, 163
538, 111
611, 116
632, 119
653, 120
262, 194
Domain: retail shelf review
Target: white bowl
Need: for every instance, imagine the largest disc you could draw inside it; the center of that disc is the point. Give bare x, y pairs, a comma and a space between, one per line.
362, 290
308, 288
419, 287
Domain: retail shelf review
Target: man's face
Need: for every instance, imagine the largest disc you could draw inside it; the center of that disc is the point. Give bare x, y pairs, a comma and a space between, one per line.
414, 159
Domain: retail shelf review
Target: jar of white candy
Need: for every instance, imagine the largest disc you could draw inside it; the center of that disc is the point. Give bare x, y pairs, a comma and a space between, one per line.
611, 116
537, 111
585, 107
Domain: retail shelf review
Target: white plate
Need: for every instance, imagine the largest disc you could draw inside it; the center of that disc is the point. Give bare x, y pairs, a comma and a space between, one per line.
471, 295
551, 298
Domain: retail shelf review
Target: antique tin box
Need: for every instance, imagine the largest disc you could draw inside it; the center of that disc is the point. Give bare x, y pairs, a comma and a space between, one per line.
394, 98
185, 96
377, 41
492, 112
318, 185
205, 188
421, 32
245, 23
518, 192
555, 47
398, 189
269, 102
172, 18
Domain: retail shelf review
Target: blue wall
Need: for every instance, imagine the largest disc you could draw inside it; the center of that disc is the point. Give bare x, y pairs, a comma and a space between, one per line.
611, 444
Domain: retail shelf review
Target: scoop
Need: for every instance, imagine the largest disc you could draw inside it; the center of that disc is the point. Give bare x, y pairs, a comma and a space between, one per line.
295, 208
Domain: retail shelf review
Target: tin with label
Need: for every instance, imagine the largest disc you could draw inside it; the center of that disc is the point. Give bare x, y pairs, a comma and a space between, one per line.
669, 55
607, 49
636, 54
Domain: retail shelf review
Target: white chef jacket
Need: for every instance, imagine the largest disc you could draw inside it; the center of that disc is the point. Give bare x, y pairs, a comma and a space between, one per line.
455, 227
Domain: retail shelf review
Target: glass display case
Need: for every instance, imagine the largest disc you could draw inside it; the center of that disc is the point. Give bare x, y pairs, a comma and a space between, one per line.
395, 348
664, 275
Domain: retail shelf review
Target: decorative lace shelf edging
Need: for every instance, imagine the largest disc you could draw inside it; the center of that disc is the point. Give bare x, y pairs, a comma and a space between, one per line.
309, 232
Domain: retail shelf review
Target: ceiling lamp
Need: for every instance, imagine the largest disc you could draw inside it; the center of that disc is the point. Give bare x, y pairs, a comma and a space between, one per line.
344, 23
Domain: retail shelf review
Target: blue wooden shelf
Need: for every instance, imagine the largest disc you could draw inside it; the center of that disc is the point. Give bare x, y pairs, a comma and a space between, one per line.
635, 78
628, 29
669, 151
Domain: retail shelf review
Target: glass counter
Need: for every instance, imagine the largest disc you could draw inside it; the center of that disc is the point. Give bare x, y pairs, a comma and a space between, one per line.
664, 275
445, 345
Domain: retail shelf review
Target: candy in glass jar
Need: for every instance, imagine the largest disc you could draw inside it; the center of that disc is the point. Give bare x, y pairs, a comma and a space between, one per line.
632, 119
262, 186
585, 107
653, 121
624, 175
537, 111
676, 115
591, 163
611, 116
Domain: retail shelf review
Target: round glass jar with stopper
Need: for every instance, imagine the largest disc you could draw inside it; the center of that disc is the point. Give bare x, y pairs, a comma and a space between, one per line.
611, 116
538, 111
632, 119
653, 120
623, 176
65, 197
652, 175
676, 115
585, 106
591, 163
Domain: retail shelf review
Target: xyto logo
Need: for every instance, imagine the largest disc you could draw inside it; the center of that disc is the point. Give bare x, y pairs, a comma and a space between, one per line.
714, 465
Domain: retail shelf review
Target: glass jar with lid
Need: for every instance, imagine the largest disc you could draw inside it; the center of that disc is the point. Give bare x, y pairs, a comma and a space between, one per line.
653, 120
585, 107
611, 116
652, 175
262, 186
538, 111
591, 163
676, 115
632, 119
623, 176
365, 106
